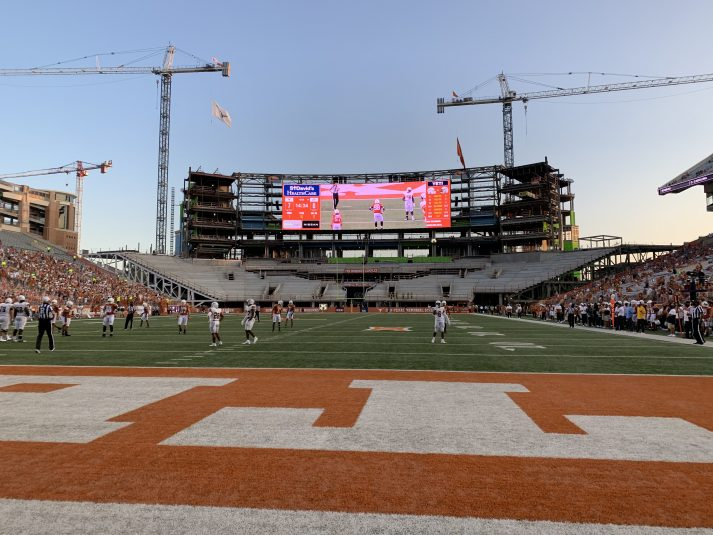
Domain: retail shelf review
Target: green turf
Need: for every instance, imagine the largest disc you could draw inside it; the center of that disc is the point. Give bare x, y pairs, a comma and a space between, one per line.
343, 341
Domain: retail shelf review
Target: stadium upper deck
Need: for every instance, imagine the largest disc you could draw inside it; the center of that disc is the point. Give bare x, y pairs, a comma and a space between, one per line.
490, 209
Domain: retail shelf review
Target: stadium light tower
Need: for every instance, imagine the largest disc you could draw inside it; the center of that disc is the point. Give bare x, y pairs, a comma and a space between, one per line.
166, 72
508, 96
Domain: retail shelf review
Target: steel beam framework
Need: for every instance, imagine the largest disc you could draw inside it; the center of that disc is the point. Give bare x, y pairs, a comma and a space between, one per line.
120, 263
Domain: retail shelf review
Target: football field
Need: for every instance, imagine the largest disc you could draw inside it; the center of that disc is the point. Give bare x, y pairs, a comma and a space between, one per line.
373, 340
356, 423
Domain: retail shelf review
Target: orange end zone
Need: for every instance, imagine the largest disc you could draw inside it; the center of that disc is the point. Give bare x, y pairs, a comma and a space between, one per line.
129, 465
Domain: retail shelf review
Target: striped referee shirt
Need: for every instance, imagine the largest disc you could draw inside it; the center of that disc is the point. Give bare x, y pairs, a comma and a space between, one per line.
696, 313
45, 312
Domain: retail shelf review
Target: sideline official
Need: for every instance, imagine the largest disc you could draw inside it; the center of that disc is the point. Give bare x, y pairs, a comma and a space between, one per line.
45, 315
696, 315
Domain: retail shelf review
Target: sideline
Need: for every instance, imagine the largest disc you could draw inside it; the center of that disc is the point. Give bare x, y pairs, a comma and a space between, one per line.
640, 336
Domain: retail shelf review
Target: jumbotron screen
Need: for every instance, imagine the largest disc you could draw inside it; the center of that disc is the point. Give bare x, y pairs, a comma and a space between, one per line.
348, 207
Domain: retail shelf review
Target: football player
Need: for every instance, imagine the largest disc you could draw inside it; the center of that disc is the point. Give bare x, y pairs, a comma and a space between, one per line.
277, 316
145, 315
55, 319
108, 314
183, 314
21, 312
378, 210
446, 311
336, 220
440, 321
290, 314
5, 311
67, 317
408, 203
248, 322
215, 315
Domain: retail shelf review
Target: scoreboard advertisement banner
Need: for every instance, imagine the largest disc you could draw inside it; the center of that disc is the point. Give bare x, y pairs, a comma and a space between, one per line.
347, 207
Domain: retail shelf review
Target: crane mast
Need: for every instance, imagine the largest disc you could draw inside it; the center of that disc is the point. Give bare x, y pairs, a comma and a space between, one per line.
166, 72
507, 97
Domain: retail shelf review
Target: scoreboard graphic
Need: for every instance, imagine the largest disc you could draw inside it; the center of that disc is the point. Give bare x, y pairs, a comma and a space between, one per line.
300, 207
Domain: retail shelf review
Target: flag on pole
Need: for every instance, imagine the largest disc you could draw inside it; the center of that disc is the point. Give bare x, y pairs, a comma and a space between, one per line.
220, 113
460, 153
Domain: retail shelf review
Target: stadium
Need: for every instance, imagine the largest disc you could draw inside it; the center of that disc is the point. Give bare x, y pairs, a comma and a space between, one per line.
421, 351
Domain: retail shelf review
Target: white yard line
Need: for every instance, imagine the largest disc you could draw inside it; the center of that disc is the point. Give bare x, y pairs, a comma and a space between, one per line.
33, 517
640, 336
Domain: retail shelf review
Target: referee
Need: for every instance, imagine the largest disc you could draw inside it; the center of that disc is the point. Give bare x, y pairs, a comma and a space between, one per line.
45, 315
696, 314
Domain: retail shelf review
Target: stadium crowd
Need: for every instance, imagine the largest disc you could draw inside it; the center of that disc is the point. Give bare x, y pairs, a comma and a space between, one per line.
662, 293
35, 274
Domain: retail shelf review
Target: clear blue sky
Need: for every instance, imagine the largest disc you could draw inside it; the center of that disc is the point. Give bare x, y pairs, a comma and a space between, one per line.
336, 86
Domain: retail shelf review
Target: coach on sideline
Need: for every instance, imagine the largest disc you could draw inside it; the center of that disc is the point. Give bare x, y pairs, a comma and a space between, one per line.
45, 315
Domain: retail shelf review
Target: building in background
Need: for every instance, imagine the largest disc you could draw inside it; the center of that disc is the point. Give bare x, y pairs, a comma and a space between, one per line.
47, 214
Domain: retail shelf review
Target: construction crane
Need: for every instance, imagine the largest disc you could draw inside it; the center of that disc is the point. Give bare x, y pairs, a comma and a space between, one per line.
80, 169
166, 72
507, 97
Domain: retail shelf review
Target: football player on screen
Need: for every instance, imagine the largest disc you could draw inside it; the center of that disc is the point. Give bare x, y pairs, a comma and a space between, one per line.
378, 210
408, 203
336, 220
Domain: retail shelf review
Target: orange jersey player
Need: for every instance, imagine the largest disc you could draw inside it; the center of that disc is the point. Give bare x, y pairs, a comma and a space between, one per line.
183, 315
277, 316
378, 210
336, 220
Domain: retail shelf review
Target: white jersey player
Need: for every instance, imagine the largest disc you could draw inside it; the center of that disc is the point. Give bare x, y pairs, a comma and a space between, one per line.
108, 312
248, 322
290, 314
440, 321
5, 311
21, 312
215, 315
183, 314
145, 315
66, 318
55, 318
